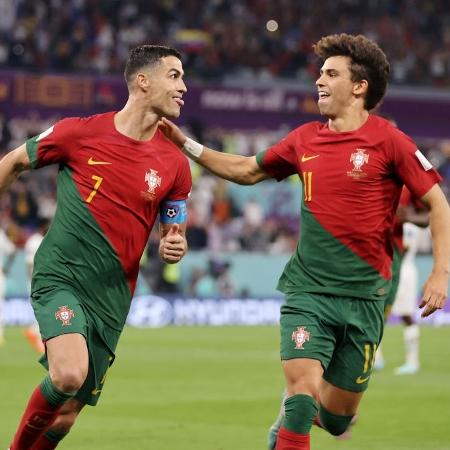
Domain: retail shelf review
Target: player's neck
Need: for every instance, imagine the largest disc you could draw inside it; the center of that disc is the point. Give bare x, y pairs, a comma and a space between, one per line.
348, 122
136, 123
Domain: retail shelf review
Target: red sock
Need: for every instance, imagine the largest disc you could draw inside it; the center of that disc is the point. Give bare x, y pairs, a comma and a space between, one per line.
288, 440
38, 416
44, 443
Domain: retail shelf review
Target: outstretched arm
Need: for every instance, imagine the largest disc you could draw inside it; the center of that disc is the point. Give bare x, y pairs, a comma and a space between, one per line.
11, 165
435, 289
236, 168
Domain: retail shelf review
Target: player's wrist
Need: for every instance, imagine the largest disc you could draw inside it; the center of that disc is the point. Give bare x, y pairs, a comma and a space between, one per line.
192, 148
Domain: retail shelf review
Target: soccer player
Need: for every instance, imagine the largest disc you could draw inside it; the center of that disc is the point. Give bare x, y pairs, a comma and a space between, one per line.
117, 171
352, 168
32, 333
405, 300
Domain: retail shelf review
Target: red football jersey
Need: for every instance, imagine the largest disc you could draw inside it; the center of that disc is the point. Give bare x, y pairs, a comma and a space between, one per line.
110, 187
351, 185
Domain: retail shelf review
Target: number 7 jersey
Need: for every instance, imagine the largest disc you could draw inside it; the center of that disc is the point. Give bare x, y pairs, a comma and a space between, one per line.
351, 188
110, 187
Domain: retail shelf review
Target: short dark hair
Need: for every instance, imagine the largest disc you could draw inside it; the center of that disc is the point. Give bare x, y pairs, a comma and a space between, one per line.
368, 62
146, 55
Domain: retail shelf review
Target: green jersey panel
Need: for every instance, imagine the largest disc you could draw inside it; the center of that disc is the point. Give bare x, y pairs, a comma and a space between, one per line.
76, 253
344, 273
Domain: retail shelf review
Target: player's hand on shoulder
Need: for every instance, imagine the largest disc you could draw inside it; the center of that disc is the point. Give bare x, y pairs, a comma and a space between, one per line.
172, 246
434, 293
172, 132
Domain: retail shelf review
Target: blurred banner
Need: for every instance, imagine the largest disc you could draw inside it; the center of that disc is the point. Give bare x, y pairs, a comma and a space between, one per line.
50, 97
157, 311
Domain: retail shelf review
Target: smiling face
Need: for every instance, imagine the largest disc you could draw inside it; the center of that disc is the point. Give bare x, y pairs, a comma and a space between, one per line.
163, 87
337, 92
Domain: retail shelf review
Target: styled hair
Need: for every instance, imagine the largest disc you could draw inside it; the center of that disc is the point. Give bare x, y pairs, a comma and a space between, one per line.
368, 62
146, 56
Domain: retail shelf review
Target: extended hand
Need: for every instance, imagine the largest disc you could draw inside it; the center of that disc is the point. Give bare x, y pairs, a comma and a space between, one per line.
434, 293
172, 132
173, 245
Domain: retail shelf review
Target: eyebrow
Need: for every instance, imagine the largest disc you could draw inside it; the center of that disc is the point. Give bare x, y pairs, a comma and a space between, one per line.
328, 71
178, 72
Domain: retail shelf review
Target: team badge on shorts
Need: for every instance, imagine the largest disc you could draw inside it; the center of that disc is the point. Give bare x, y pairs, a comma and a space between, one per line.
300, 336
64, 314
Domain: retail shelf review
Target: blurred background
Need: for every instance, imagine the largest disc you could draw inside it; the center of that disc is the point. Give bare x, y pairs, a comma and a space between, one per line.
250, 72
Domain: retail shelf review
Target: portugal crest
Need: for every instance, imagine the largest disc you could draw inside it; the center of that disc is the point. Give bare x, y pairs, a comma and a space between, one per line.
300, 336
358, 158
153, 180
64, 314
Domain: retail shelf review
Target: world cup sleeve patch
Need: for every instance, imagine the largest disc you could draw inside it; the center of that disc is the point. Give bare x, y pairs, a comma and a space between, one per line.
173, 211
423, 160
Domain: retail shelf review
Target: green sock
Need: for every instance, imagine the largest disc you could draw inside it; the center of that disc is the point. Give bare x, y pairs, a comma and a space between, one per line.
333, 423
53, 436
300, 412
53, 395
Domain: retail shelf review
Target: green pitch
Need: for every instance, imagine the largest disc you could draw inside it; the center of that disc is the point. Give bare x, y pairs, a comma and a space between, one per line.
219, 389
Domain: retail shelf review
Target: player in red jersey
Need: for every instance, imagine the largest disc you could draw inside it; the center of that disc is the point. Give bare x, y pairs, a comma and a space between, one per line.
117, 171
352, 168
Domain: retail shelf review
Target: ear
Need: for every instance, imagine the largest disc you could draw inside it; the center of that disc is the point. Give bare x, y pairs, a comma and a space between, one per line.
142, 81
360, 87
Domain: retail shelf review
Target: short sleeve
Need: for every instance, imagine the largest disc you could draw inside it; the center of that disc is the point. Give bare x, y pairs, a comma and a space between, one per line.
53, 145
183, 182
280, 161
412, 167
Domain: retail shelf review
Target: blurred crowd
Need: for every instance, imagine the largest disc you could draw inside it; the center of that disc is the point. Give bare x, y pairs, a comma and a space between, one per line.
248, 39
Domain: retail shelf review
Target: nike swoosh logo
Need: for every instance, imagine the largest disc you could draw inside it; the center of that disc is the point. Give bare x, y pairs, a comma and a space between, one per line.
96, 391
92, 162
360, 380
307, 158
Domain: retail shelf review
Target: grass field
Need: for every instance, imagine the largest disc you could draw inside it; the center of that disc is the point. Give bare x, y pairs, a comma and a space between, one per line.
180, 388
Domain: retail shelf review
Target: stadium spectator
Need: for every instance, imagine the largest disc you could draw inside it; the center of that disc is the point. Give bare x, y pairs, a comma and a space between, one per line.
222, 38
332, 321
110, 189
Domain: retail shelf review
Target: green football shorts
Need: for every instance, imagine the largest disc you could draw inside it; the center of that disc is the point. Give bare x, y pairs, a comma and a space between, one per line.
342, 333
59, 311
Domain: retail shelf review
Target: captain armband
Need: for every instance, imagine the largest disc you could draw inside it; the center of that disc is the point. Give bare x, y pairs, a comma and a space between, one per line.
173, 211
192, 149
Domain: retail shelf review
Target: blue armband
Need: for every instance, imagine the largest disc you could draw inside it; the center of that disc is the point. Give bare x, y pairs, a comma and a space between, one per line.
173, 211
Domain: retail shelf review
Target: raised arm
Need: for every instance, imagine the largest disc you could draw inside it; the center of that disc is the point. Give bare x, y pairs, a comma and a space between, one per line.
436, 287
11, 165
236, 168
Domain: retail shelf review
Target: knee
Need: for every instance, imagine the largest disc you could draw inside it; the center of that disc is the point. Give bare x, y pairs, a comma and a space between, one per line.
334, 424
68, 379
